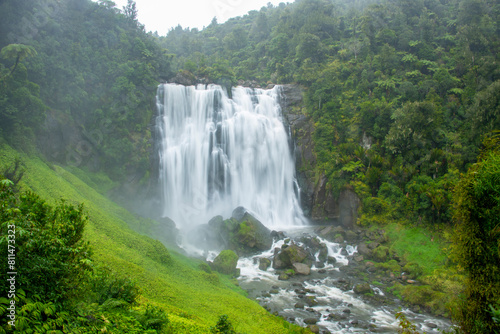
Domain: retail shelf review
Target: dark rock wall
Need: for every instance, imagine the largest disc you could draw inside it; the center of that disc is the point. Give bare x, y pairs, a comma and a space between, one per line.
316, 199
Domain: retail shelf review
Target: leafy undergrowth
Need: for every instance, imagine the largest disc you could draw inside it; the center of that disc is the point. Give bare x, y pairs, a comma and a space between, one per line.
425, 254
193, 298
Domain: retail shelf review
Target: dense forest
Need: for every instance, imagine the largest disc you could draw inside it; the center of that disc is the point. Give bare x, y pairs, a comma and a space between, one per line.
403, 95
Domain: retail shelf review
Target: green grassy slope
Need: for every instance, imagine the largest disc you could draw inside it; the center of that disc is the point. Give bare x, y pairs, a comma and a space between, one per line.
193, 298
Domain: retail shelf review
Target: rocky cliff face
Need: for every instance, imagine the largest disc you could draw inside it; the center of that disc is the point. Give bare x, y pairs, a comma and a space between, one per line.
316, 198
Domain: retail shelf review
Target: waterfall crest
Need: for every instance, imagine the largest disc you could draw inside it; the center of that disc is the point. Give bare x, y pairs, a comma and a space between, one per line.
217, 153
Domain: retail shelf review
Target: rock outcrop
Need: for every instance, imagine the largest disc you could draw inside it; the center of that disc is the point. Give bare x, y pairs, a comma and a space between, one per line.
317, 199
243, 233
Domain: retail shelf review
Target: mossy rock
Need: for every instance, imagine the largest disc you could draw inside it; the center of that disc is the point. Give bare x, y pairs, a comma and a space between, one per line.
243, 233
427, 298
412, 269
205, 267
391, 266
380, 254
225, 262
293, 254
362, 288
264, 263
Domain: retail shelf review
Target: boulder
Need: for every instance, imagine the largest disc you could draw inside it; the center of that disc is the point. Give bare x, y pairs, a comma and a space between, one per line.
283, 277
381, 254
313, 328
293, 254
290, 254
301, 269
225, 262
243, 233
362, 288
310, 321
299, 305
364, 250
250, 233
264, 263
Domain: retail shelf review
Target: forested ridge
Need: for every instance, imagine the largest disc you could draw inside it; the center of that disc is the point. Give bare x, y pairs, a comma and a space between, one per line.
403, 96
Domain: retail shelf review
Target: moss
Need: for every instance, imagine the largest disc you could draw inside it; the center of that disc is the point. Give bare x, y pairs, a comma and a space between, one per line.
412, 269
391, 266
380, 253
226, 262
427, 298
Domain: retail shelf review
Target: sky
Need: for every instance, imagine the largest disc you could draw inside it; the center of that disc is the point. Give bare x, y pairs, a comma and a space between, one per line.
163, 15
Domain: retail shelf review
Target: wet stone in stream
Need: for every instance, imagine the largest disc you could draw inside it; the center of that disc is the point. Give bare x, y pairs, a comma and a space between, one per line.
324, 299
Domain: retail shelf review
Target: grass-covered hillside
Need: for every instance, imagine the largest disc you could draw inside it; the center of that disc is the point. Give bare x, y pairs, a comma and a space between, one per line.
193, 299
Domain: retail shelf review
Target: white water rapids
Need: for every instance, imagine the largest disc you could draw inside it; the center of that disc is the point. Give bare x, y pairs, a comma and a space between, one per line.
218, 153
363, 316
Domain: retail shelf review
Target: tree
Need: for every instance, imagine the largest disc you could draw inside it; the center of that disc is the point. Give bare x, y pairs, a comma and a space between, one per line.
477, 239
48, 244
415, 129
484, 114
130, 10
16, 52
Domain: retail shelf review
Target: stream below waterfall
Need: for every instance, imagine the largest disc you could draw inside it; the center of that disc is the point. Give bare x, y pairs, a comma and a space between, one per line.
326, 297
218, 151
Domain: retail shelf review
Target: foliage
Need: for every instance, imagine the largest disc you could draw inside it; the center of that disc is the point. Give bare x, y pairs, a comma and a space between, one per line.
94, 68
128, 271
44, 236
223, 326
477, 239
399, 94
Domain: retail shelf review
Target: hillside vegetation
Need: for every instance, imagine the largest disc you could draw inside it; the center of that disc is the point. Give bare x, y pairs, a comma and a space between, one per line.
403, 96
125, 274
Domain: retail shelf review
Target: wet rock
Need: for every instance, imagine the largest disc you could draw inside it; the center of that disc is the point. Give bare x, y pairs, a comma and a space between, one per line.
326, 231
264, 263
225, 262
301, 269
251, 233
299, 305
311, 321
313, 328
311, 301
331, 260
350, 236
283, 277
290, 255
274, 291
185, 78
362, 288
336, 317
346, 311
242, 233
339, 239
358, 258
322, 271
278, 235
431, 325
319, 265
266, 295
364, 250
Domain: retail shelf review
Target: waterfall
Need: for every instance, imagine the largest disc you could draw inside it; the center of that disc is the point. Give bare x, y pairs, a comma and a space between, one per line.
217, 153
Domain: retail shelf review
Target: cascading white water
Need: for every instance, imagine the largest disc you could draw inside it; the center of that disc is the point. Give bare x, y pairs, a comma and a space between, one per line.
218, 153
